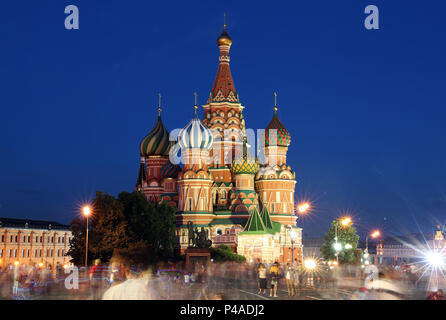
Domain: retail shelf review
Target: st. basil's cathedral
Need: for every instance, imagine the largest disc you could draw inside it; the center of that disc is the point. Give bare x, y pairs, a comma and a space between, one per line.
221, 186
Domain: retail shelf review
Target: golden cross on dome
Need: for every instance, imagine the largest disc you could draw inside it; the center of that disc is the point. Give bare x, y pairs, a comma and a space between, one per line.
159, 104
275, 101
224, 20
195, 105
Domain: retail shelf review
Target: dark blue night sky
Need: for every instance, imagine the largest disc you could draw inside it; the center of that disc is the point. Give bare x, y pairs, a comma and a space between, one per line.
365, 108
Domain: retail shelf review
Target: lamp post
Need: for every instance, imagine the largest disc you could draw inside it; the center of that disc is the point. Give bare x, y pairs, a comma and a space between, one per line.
86, 211
345, 222
375, 234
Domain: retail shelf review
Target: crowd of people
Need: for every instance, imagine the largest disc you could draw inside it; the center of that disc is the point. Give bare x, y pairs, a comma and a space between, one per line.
229, 280
19, 281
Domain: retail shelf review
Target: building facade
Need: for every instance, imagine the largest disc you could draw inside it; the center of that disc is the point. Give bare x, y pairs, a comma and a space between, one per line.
409, 248
221, 185
30, 242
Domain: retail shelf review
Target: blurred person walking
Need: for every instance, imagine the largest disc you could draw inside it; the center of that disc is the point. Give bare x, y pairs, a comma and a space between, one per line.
295, 281
262, 278
96, 275
274, 273
288, 279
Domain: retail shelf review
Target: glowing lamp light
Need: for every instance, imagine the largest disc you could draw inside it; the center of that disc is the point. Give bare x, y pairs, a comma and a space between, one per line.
310, 264
16, 263
375, 234
346, 221
40, 264
293, 234
86, 210
435, 259
337, 246
302, 208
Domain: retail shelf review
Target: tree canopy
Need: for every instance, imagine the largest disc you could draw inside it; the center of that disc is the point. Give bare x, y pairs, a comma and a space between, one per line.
127, 226
224, 253
346, 236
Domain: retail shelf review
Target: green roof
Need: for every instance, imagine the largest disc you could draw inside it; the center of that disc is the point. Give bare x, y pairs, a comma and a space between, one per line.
266, 218
255, 222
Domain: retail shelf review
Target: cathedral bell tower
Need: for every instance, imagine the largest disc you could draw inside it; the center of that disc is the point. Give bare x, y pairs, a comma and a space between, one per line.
223, 116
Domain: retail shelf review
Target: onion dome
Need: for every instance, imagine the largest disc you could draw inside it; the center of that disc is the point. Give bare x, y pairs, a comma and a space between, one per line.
195, 135
224, 39
276, 134
170, 170
246, 164
156, 143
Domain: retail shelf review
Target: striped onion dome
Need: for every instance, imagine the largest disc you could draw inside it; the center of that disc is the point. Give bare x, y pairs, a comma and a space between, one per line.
246, 164
195, 135
156, 143
170, 170
283, 136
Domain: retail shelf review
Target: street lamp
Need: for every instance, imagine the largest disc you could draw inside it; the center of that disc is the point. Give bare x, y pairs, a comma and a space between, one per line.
375, 234
86, 210
310, 264
293, 236
337, 246
303, 207
345, 222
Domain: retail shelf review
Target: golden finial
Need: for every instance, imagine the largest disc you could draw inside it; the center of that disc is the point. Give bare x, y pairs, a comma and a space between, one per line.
224, 38
195, 105
275, 102
159, 104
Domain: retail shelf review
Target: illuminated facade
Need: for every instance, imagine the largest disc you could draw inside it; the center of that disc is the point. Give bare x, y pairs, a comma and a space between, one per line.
31, 242
221, 186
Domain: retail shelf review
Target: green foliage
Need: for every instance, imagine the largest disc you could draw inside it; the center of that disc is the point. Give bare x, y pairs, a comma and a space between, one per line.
128, 227
224, 253
77, 243
346, 235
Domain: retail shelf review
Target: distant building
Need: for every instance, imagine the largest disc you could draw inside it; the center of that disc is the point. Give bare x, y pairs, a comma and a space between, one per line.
312, 247
408, 248
33, 241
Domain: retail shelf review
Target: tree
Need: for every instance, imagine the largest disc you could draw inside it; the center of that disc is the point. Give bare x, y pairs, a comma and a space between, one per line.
77, 243
224, 253
154, 224
109, 227
346, 235
128, 227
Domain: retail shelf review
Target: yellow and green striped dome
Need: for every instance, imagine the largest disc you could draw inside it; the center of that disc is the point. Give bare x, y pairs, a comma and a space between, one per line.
246, 164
